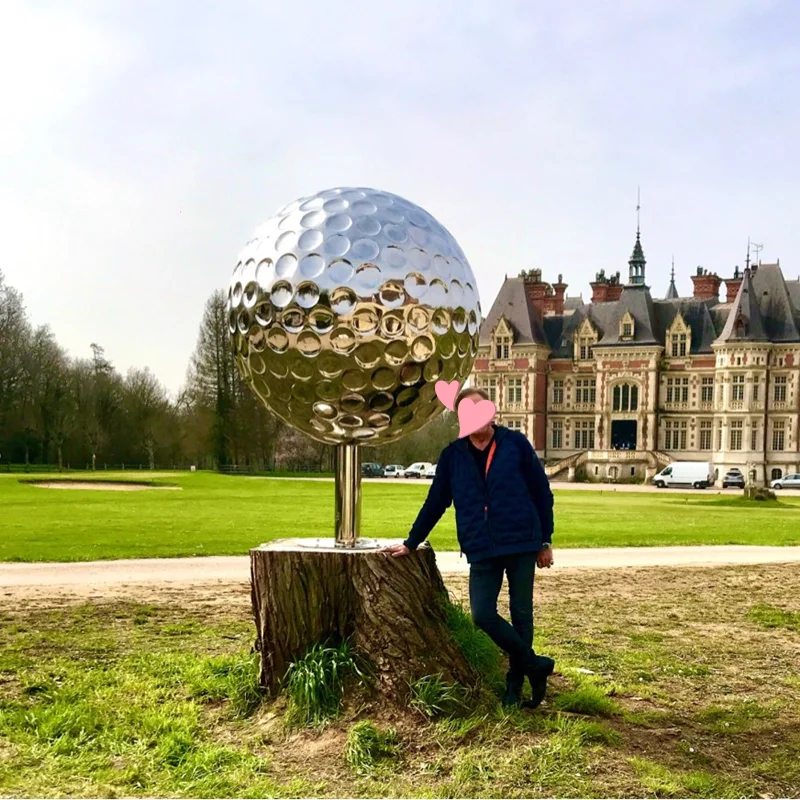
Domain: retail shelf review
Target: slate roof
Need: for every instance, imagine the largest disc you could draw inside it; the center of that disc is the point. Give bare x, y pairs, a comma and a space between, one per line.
779, 314
766, 308
744, 321
512, 303
637, 301
696, 314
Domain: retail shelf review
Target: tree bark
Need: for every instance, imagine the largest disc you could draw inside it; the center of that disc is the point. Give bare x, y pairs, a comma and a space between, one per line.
391, 607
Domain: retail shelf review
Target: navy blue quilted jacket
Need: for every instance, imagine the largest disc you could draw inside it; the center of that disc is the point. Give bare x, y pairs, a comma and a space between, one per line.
511, 512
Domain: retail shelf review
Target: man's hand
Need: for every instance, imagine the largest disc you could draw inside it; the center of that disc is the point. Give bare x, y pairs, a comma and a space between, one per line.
396, 550
545, 558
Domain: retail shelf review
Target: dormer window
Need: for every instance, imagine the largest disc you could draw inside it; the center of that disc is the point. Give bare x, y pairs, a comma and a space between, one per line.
502, 338
678, 338
585, 339
626, 327
502, 347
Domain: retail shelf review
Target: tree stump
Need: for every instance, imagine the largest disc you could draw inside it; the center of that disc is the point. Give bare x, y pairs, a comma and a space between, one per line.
391, 607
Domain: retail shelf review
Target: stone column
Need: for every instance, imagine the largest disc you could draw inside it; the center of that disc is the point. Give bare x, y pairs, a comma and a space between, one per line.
652, 423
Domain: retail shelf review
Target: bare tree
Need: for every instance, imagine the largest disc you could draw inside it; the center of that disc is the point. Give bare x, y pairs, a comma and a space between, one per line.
212, 378
146, 405
14, 336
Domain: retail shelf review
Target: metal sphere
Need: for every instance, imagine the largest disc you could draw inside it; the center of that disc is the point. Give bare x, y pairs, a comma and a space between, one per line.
345, 308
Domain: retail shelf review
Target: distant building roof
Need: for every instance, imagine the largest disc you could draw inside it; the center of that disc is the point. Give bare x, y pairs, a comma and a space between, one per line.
766, 308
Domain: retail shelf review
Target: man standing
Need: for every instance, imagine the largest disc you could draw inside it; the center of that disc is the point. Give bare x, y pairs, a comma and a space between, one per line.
504, 520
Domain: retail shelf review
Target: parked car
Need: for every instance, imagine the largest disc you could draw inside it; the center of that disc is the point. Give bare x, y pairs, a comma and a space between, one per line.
697, 474
733, 479
394, 471
417, 469
371, 470
430, 472
786, 482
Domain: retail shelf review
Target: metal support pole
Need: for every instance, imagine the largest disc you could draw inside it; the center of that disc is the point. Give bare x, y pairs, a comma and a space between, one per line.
348, 494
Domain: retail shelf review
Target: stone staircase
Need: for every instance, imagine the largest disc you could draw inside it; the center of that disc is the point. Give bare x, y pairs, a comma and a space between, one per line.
575, 460
656, 460
660, 458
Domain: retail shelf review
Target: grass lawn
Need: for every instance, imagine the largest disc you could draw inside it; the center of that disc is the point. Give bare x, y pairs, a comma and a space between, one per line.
219, 515
670, 683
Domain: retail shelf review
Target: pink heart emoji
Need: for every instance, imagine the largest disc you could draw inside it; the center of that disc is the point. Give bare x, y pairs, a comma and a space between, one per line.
472, 416
447, 393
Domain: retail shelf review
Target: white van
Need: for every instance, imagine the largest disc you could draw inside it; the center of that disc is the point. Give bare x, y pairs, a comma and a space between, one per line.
417, 469
697, 474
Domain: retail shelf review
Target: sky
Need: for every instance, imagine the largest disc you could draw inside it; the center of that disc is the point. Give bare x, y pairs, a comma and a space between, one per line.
141, 143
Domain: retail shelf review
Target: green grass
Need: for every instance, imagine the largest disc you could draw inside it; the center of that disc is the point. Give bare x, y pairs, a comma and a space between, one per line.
124, 707
315, 683
479, 650
161, 699
367, 747
735, 717
227, 515
661, 781
770, 617
432, 695
587, 698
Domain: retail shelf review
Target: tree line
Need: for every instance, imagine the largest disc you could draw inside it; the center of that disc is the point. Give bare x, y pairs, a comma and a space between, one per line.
79, 412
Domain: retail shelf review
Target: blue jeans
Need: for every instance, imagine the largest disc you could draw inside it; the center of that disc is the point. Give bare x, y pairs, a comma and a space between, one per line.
485, 582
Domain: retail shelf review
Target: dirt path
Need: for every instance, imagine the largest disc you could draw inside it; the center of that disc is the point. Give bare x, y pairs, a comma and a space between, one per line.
108, 578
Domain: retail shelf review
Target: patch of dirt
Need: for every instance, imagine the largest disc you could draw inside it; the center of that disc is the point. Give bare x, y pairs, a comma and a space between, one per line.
220, 599
107, 486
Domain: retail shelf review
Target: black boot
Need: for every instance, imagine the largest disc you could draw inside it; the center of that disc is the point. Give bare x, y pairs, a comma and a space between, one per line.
515, 680
538, 670
513, 695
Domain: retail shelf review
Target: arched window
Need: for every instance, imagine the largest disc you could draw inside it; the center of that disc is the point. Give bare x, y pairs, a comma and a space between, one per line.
776, 473
626, 397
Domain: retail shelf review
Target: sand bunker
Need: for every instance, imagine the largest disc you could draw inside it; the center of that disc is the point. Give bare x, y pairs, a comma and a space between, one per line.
101, 486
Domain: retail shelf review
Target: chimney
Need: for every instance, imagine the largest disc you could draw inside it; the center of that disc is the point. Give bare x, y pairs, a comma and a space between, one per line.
600, 287
606, 287
732, 285
559, 289
615, 289
599, 292
535, 288
706, 285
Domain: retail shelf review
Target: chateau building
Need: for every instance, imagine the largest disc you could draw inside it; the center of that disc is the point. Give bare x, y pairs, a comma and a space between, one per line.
618, 387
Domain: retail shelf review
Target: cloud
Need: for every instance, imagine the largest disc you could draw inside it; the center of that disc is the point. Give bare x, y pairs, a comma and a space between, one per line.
149, 139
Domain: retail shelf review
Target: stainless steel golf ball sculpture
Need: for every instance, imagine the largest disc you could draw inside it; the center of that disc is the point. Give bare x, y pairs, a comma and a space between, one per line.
345, 308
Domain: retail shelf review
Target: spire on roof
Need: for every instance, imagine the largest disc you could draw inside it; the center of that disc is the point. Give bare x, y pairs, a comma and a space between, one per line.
672, 292
637, 261
744, 321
